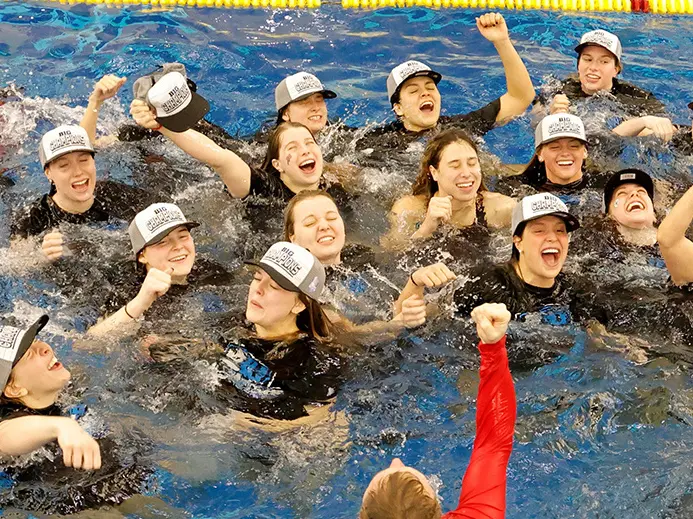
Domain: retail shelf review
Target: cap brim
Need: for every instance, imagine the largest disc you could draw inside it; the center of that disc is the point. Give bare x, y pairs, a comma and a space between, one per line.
690, 105
276, 276
165, 232
569, 136
327, 94
29, 336
189, 117
579, 48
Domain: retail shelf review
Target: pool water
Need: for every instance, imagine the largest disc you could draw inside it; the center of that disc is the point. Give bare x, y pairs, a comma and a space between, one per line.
598, 435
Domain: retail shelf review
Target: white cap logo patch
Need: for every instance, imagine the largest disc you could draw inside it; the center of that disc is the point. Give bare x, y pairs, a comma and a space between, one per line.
9, 340
628, 176
293, 268
563, 125
604, 39
151, 225
170, 95
303, 83
542, 204
283, 258
558, 126
61, 141
547, 203
407, 69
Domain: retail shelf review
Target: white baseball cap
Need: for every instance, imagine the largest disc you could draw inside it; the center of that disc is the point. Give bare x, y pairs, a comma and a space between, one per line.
168, 90
153, 224
293, 268
299, 86
61, 141
559, 126
407, 70
14, 343
542, 204
603, 39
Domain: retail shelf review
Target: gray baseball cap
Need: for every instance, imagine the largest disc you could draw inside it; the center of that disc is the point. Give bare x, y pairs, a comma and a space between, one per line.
61, 141
603, 39
173, 96
14, 343
153, 224
542, 204
559, 126
299, 86
293, 268
406, 70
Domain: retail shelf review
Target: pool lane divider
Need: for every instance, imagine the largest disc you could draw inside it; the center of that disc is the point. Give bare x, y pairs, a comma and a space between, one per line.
625, 6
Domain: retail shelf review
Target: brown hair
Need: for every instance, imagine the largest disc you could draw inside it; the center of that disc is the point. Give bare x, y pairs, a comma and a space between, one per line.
5, 400
314, 321
424, 183
399, 495
274, 144
289, 221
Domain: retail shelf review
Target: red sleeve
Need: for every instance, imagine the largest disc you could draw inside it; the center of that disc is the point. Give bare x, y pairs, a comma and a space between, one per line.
483, 487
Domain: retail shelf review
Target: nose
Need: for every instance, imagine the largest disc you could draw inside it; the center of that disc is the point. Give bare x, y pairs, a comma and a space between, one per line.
397, 464
323, 224
42, 349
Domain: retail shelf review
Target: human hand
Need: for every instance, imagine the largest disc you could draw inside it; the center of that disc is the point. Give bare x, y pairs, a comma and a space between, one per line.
52, 246
80, 450
491, 322
560, 104
492, 27
106, 88
155, 285
432, 275
413, 312
143, 114
659, 126
439, 211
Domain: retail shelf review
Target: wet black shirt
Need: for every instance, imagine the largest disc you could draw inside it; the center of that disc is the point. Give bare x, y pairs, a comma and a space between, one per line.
47, 486
395, 136
113, 203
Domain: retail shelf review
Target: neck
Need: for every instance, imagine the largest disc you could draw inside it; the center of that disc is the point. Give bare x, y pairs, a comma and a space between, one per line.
591, 92
563, 182
526, 275
332, 260
642, 237
277, 331
179, 280
415, 127
72, 206
40, 401
297, 188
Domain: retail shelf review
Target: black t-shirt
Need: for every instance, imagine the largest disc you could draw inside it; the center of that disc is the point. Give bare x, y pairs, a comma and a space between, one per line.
47, 486
636, 101
113, 203
395, 136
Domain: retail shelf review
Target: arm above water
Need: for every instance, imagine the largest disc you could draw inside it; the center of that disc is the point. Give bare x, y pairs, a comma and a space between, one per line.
233, 170
105, 88
676, 249
641, 126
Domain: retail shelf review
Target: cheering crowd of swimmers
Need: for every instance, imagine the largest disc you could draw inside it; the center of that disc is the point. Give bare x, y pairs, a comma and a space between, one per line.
288, 361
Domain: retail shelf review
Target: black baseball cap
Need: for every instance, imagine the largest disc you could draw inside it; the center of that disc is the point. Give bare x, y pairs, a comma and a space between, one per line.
627, 176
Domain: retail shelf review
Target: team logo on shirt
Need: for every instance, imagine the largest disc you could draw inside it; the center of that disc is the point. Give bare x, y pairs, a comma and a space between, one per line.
65, 139
178, 96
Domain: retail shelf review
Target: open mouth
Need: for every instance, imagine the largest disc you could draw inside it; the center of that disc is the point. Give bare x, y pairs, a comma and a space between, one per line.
315, 118
179, 258
81, 185
326, 240
593, 77
307, 166
635, 205
427, 107
551, 256
54, 365
565, 163
465, 185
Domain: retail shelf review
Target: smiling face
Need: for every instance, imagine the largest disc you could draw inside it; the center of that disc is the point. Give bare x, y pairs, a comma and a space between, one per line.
269, 306
458, 173
632, 207
74, 176
311, 112
176, 251
319, 227
563, 159
419, 104
299, 159
38, 375
597, 68
543, 249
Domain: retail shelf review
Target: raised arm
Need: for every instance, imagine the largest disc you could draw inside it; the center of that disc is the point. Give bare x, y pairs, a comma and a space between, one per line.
105, 88
647, 125
483, 486
233, 170
520, 91
677, 250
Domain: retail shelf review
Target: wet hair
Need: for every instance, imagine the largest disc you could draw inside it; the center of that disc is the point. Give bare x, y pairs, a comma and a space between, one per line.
314, 321
5, 400
424, 183
309, 194
274, 144
397, 495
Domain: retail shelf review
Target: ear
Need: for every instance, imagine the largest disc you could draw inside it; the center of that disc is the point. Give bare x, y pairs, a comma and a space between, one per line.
277, 165
540, 153
142, 258
286, 116
47, 172
15, 391
517, 241
397, 108
434, 173
298, 307
291, 238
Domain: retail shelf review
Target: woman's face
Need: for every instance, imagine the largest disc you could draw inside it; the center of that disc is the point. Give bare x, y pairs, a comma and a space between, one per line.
300, 158
38, 372
269, 305
419, 103
597, 69
543, 249
74, 176
311, 112
174, 254
459, 172
631, 206
319, 227
563, 159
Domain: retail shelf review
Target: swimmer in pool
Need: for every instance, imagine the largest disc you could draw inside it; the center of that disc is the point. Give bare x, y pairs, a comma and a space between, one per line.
413, 92
31, 417
300, 98
598, 64
628, 200
312, 220
448, 191
401, 491
676, 248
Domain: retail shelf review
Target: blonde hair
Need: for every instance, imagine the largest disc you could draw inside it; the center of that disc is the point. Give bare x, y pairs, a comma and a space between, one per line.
400, 495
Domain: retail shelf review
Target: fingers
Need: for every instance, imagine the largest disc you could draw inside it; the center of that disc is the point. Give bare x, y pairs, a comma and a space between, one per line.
52, 246
413, 311
492, 321
663, 128
560, 104
108, 86
490, 20
440, 208
77, 457
143, 114
434, 275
